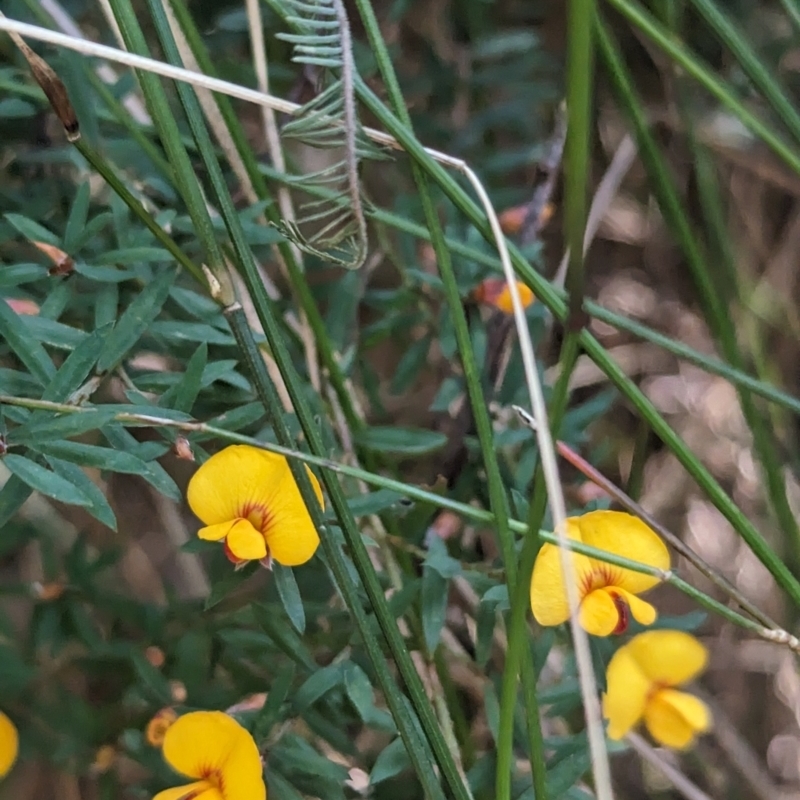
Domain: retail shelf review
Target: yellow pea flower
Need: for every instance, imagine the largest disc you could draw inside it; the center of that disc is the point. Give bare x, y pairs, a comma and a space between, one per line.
249, 499
9, 744
608, 594
218, 754
641, 680
158, 726
495, 292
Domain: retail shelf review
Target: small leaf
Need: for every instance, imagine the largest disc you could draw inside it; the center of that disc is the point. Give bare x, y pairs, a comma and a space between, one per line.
286, 585
403, 441
74, 371
63, 426
318, 685
54, 333
228, 584
284, 637
98, 506
434, 605
45, 481
374, 502
187, 390
16, 335
136, 319
89, 455
31, 230
17, 274
391, 761
77, 218
270, 712
13, 494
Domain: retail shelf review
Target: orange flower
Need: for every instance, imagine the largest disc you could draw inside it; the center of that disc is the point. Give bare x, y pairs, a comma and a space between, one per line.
641, 680
608, 594
218, 754
249, 499
495, 292
9, 745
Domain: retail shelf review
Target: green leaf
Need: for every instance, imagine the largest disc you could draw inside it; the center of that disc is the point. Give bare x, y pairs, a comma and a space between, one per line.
74, 371
403, 441
89, 455
434, 605
77, 218
16, 274
54, 333
190, 332
318, 685
286, 585
391, 761
134, 255
136, 319
45, 481
187, 390
275, 626
16, 335
13, 494
98, 506
31, 230
567, 772
374, 502
271, 710
221, 589
63, 426
410, 365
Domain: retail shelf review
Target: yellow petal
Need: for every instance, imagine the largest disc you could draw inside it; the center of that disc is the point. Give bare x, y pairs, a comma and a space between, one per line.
600, 615
625, 535
245, 542
242, 774
641, 610
199, 743
9, 744
675, 718
217, 532
202, 790
548, 593
669, 658
627, 688
291, 536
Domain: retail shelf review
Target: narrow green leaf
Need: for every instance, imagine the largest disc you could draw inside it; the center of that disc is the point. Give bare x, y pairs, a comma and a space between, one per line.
286, 585
31, 230
434, 605
136, 319
17, 274
76, 222
318, 685
391, 761
29, 351
89, 455
285, 638
228, 584
13, 494
74, 371
270, 713
63, 426
52, 332
403, 441
187, 390
45, 481
98, 506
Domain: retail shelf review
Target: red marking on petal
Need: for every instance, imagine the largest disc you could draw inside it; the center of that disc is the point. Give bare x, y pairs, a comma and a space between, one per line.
229, 554
624, 614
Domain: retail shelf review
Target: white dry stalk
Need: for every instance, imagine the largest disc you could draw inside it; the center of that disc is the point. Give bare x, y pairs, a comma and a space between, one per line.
596, 736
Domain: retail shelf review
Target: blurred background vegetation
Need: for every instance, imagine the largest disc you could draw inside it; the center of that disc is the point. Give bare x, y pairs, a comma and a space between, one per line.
110, 609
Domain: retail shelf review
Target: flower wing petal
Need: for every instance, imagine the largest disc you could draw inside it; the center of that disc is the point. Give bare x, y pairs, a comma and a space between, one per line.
548, 592
245, 542
642, 610
199, 743
599, 613
669, 658
625, 535
238, 476
242, 773
291, 536
625, 699
201, 790
9, 744
216, 532
674, 718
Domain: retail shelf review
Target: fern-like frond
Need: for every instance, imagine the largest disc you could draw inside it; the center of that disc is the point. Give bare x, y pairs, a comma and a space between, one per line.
334, 228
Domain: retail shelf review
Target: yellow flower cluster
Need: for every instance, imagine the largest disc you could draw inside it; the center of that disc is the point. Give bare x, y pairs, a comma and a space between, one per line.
642, 675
